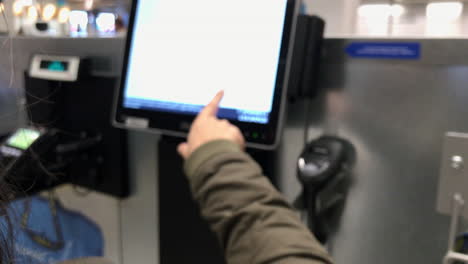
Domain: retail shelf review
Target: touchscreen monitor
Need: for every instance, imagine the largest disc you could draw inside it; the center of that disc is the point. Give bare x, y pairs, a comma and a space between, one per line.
179, 54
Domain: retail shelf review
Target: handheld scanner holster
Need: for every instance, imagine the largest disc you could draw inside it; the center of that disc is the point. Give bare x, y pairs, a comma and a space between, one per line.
46, 162
323, 170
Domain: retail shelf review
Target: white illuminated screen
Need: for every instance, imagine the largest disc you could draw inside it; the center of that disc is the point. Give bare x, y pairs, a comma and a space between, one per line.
185, 51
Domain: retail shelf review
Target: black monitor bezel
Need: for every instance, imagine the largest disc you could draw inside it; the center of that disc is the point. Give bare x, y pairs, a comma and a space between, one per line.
259, 135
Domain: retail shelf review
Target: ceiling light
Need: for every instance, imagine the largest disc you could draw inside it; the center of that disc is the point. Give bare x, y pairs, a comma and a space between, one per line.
26, 2
48, 12
32, 13
444, 11
18, 8
374, 11
380, 11
397, 10
63, 15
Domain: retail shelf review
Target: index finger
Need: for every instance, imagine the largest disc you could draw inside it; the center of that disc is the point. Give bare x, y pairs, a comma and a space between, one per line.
211, 109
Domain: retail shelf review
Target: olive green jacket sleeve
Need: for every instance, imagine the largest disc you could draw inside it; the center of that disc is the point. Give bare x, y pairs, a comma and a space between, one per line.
252, 220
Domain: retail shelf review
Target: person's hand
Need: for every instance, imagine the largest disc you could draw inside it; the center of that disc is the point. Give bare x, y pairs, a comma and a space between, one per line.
207, 127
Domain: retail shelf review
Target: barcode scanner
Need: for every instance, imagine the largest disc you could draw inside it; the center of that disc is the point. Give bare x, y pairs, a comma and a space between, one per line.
322, 165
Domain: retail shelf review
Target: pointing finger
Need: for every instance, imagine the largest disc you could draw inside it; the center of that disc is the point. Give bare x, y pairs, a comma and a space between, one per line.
211, 109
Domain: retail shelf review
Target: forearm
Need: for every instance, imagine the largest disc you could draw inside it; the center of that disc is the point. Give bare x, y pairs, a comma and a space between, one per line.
252, 220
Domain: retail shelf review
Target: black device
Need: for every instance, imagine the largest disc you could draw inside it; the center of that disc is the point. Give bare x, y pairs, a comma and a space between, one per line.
179, 55
88, 150
24, 156
306, 57
322, 167
20, 141
36, 159
42, 26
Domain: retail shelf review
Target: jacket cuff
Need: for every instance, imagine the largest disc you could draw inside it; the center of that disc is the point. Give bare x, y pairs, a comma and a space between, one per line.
206, 152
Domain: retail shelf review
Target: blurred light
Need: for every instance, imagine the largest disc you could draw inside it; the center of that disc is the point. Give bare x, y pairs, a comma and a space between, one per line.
105, 22
374, 11
79, 20
444, 11
442, 19
48, 12
18, 8
26, 2
397, 10
380, 11
32, 13
63, 15
88, 5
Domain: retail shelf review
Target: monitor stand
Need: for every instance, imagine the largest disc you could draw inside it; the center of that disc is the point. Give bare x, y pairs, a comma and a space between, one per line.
184, 236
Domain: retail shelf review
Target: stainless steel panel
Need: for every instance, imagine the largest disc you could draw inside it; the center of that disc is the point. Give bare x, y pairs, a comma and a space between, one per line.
396, 113
453, 174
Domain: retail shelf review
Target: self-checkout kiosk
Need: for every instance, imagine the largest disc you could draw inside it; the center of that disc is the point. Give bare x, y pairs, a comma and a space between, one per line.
323, 170
74, 116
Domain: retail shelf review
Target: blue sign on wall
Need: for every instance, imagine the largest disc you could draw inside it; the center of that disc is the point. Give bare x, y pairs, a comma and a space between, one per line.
380, 50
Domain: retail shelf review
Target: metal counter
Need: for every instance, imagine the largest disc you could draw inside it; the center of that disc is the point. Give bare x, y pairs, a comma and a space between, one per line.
396, 114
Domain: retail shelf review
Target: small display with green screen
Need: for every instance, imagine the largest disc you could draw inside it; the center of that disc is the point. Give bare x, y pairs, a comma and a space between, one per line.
56, 66
23, 138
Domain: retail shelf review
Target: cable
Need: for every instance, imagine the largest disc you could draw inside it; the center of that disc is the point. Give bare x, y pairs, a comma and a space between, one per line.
20, 105
121, 230
41, 238
307, 108
10, 38
2, 9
